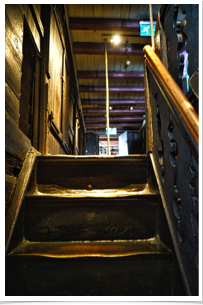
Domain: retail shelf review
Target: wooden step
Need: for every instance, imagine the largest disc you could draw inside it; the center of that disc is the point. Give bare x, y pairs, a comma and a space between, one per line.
81, 172
56, 190
128, 268
105, 248
61, 218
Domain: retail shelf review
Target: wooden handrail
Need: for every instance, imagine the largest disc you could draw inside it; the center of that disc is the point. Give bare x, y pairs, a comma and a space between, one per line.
183, 107
22, 183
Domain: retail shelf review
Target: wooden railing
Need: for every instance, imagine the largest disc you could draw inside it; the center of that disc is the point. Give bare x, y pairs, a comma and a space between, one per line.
172, 135
22, 183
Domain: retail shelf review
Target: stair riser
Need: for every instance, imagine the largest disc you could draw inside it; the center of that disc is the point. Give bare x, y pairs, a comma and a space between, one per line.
100, 175
56, 220
89, 277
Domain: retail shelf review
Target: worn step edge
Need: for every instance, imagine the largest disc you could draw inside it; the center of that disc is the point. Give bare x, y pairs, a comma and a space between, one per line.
116, 248
134, 190
50, 158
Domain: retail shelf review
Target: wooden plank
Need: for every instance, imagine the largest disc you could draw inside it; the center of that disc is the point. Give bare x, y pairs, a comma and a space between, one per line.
98, 10
116, 11
11, 103
32, 27
26, 93
125, 8
55, 88
59, 25
35, 138
100, 62
111, 62
91, 62
16, 143
8, 164
89, 13
88, 10
13, 46
24, 110
36, 14
107, 10
55, 57
124, 83
77, 61
24, 127
76, 10
10, 183
27, 70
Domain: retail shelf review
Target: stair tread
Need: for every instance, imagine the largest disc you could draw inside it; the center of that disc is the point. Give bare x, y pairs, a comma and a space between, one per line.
117, 248
92, 157
138, 190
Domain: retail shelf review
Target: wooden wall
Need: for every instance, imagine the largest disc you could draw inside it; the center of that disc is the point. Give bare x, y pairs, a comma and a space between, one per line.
16, 143
55, 83
52, 90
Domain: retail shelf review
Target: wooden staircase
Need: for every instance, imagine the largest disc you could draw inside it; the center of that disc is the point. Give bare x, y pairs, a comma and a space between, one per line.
92, 226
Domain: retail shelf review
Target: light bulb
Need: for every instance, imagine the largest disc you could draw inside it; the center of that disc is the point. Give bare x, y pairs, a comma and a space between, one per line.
116, 39
128, 62
111, 40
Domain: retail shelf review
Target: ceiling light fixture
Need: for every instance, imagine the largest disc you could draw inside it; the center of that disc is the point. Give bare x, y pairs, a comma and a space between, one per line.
115, 39
127, 62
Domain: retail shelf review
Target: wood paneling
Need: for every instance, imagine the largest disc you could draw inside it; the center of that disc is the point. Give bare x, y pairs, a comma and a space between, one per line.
11, 104
16, 143
27, 84
127, 11
13, 46
32, 26
55, 83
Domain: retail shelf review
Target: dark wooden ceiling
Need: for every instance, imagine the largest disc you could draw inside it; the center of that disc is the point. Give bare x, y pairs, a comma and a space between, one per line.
89, 25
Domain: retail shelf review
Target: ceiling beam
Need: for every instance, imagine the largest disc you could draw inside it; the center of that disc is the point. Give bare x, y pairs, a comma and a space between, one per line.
114, 111
140, 101
103, 130
111, 89
104, 24
97, 48
114, 119
111, 74
113, 124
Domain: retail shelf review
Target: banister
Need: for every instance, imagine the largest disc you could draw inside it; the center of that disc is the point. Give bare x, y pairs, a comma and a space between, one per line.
183, 107
22, 183
172, 135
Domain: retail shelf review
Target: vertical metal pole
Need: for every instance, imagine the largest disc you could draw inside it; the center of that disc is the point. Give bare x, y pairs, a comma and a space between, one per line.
107, 98
151, 25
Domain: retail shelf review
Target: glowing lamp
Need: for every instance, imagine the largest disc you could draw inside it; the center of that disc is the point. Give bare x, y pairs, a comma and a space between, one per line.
127, 62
